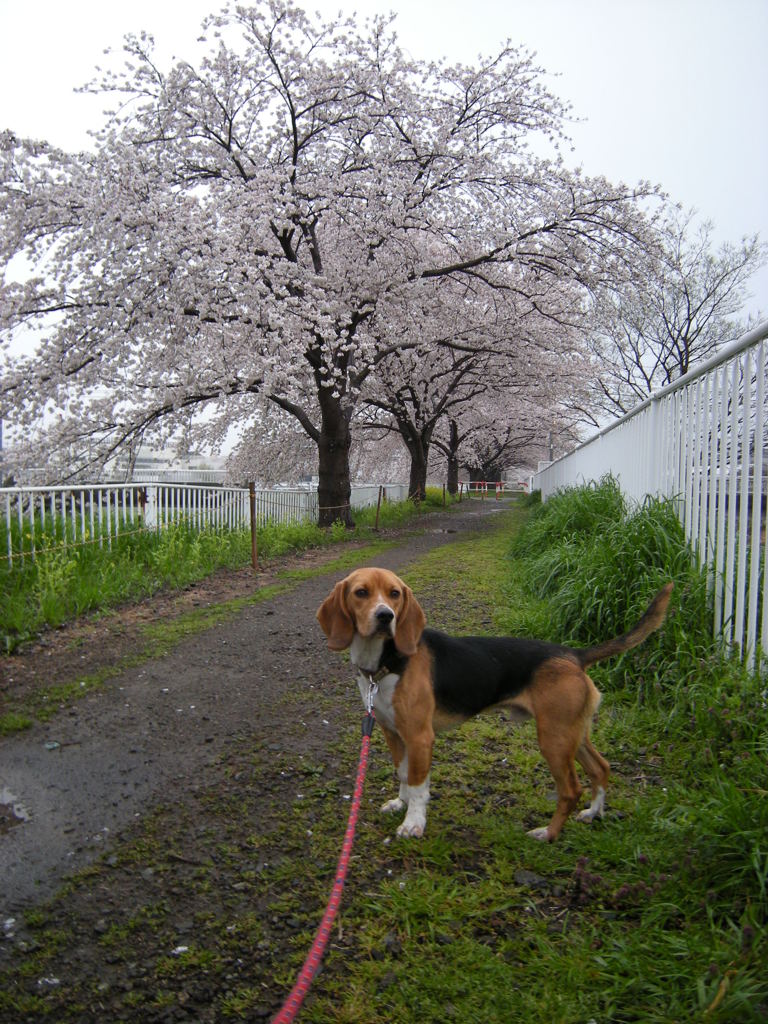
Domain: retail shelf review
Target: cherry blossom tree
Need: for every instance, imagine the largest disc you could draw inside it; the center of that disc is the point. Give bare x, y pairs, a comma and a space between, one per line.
256, 228
491, 357
490, 444
655, 328
509, 427
416, 393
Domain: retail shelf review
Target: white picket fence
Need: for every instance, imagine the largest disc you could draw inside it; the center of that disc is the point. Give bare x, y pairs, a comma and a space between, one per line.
48, 518
701, 442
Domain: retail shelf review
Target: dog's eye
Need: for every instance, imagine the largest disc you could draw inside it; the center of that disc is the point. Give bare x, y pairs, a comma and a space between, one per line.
361, 592
394, 592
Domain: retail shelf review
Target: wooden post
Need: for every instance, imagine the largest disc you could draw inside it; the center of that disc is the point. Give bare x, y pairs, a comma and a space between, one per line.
443, 495
378, 506
254, 546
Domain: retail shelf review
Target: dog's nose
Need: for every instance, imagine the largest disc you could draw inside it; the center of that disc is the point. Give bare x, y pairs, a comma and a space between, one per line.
384, 616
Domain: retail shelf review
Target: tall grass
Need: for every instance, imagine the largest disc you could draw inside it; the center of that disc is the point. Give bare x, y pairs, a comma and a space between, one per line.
62, 583
597, 564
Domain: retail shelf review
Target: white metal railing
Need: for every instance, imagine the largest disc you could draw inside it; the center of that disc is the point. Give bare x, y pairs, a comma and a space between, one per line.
34, 519
702, 442
50, 518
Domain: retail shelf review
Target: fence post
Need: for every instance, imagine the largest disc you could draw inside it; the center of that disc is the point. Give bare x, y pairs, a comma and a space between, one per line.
150, 506
378, 506
254, 548
443, 495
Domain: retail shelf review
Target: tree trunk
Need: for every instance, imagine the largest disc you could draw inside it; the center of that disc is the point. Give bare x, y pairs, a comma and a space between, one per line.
453, 459
417, 485
453, 475
333, 488
417, 441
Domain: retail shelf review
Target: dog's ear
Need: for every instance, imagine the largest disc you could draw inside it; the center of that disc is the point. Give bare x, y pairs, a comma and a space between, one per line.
410, 624
335, 620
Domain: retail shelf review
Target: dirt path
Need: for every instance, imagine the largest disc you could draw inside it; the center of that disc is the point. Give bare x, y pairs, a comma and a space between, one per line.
163, 732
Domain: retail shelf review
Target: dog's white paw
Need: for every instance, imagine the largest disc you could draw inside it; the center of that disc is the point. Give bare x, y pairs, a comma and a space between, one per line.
542, 834
412, 828
392, 805
588, 814
595, 810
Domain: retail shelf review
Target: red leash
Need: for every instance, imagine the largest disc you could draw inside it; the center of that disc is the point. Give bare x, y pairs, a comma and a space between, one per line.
292, 1004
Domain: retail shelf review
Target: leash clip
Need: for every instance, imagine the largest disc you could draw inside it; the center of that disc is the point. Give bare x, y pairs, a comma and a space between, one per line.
370, 716
373, 689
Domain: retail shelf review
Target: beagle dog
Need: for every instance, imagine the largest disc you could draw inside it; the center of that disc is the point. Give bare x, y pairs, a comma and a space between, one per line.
425, 682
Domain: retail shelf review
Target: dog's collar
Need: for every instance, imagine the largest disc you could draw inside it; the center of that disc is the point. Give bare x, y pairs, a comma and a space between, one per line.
390, 662
375, 677
376, 658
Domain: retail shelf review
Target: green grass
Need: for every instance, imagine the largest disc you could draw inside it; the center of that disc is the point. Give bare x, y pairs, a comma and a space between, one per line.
63, 583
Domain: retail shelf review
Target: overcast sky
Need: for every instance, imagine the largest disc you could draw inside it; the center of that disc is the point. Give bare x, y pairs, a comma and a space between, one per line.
671, 91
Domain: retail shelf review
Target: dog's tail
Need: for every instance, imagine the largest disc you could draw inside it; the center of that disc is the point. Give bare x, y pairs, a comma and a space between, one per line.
653, 618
